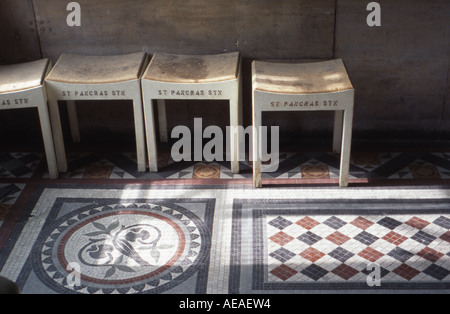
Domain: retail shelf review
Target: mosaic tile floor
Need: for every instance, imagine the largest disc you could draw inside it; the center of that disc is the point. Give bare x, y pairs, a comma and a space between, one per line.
137, 238
130, 232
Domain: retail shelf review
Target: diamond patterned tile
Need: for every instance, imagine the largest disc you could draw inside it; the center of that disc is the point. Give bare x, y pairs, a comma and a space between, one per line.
314, 272
335, 222
437, 272
341, 254
280, 223
341, 247
307, 223
362, 223
371, 254
345, 272
281, 238
309, 238
400, 254
312, 254
389, 223
282, 255
430, 254
406, 272
417, 223
366, 238
446, 236
443, 222
394, 238
337, 238
283, 272
423, 237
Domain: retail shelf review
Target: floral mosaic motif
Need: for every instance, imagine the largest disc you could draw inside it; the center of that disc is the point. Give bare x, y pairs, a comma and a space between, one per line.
123, 248
127, 242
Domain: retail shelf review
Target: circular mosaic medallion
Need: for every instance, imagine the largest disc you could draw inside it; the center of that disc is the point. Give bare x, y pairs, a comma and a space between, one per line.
132, 248
206, 172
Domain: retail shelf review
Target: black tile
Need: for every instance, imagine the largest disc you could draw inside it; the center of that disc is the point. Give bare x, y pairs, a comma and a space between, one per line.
309, 238
280, 223
366, 238
423, 237
400, 254
314, 272
443, 222
282, 255
436, 271
335, 222
389, 223
341, 254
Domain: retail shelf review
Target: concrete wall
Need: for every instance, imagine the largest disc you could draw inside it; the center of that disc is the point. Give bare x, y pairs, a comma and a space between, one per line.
400, 70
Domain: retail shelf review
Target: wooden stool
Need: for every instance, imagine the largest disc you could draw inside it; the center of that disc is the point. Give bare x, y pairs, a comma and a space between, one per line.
21, 86
211, 77
76, 77
307, 87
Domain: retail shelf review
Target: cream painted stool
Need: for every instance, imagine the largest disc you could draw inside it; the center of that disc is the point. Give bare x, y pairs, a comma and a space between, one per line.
21, 86
210, 77
76, 77
307, 87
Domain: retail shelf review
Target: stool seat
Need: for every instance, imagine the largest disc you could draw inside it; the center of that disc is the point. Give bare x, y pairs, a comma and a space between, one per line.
301, 78
22, 76
173, 68
21, 86
302, 87
95, 78
77, 69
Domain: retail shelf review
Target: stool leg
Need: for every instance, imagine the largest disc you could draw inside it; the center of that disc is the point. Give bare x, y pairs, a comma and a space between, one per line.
48, 139
337, 132
58, 135
162, 120
73, 120
257, 181
151, 135
140, 133
346, 147
234, 136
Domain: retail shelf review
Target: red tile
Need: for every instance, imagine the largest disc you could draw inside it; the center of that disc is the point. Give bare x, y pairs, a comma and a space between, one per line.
283, 272
307, 223
344, 271
406, 272
370, 254
312, 254
430, 254
362, 223
417, 223
281, 238
337, 238
445, 236
394, 238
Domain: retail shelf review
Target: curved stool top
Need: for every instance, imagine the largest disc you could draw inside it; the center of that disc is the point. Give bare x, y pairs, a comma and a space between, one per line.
175, 68
301, 78
22, 76
78, 69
